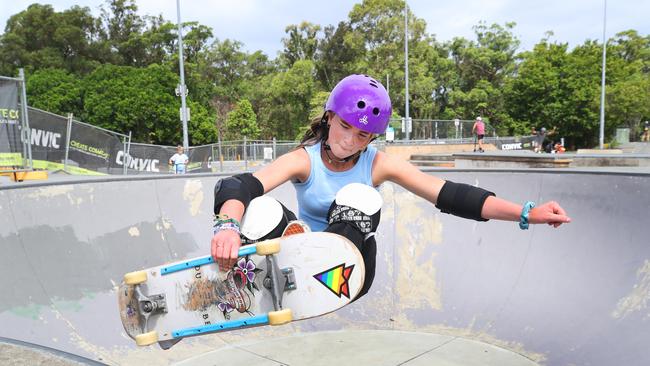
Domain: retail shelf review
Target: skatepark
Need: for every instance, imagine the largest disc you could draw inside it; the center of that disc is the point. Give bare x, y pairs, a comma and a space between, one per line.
447, 291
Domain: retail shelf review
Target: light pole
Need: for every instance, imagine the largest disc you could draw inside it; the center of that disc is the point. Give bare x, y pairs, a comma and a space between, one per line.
601, 138
407, 120
182, 89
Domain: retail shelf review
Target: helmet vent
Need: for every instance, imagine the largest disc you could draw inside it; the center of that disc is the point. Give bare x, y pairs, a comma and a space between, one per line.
373, 83
361, 104
375, 111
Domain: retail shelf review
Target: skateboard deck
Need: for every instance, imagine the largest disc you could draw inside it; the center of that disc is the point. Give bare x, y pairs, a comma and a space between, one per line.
294, 277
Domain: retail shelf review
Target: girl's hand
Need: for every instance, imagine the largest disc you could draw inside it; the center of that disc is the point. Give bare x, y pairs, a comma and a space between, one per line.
224, 248
548, 213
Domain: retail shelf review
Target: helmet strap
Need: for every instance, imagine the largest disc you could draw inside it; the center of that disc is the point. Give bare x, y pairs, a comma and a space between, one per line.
331, 159
324, 127
323, 120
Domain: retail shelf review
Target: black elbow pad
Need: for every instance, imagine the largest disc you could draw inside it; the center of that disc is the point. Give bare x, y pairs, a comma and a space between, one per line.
241, 187
462, 200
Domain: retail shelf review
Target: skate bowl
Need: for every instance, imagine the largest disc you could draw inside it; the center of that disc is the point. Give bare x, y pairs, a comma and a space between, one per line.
484, 293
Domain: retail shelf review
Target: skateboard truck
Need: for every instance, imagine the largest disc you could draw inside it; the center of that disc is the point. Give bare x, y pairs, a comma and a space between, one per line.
149, 305
278, 281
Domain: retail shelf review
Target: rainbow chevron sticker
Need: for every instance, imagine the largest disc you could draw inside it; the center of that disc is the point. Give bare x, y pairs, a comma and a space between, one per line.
336, 279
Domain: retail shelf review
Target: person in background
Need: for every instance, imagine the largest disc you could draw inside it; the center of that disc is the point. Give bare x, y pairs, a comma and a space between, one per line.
179, 161
479, 129
540, 136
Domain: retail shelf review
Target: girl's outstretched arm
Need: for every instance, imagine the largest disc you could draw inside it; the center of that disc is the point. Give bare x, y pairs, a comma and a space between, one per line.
550, 213
429, 187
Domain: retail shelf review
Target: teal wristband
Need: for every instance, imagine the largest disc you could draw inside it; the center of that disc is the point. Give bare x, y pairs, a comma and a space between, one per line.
523, 219
223, 218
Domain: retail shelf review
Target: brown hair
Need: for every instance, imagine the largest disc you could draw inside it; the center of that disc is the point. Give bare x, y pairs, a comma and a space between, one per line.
317, 132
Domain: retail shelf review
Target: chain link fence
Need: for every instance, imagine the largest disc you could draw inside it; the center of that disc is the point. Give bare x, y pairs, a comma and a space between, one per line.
238, 155
65, 144
452, 131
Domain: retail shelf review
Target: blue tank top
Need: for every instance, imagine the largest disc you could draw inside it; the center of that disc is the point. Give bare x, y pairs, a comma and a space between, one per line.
317, 193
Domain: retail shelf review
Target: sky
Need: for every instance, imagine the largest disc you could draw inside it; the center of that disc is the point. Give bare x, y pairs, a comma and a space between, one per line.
260, 24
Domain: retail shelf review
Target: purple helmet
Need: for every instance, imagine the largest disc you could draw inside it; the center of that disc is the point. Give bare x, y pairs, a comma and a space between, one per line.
362, 102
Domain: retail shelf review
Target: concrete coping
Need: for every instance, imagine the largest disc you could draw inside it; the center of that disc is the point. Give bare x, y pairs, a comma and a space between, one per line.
600, 152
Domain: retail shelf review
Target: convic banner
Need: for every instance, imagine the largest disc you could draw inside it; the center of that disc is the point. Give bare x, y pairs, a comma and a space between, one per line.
9, 117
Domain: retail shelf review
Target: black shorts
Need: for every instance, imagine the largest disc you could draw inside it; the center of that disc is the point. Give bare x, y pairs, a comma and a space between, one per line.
367, 247
480, 137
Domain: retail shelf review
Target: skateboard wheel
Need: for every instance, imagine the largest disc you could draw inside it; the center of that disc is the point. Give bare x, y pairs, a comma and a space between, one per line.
146, 339
134, 278
268, 247
295, 227
280, 317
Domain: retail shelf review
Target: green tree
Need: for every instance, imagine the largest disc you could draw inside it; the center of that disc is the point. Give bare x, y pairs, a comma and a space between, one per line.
580, 96
429, 74
555, 87
56, 91
284, 104
336, 55
201, 127
195, 41
159, 41
27, 41
124, 28
128, 99
258, 65
74, 40
225, 68
628, 98
317, 105
242, 122
628, 104
534, 97
119, 71
225, 74
482, 69
39, 38
301, 42
378, 28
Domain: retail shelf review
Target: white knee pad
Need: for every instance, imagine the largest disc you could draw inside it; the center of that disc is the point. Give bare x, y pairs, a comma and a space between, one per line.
360, 196
358, 205
262, 216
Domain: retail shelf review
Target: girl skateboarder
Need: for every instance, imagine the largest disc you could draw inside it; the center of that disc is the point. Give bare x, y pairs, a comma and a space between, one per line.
335, 172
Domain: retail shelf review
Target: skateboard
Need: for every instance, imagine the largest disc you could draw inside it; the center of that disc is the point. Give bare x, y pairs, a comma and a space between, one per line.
276, 281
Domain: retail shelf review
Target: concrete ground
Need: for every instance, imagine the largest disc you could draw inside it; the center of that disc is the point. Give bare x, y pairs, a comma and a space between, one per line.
366, 347
447, 291
17, 353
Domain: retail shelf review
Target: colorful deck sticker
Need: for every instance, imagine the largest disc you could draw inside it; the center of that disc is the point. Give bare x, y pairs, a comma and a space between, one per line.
336, 279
